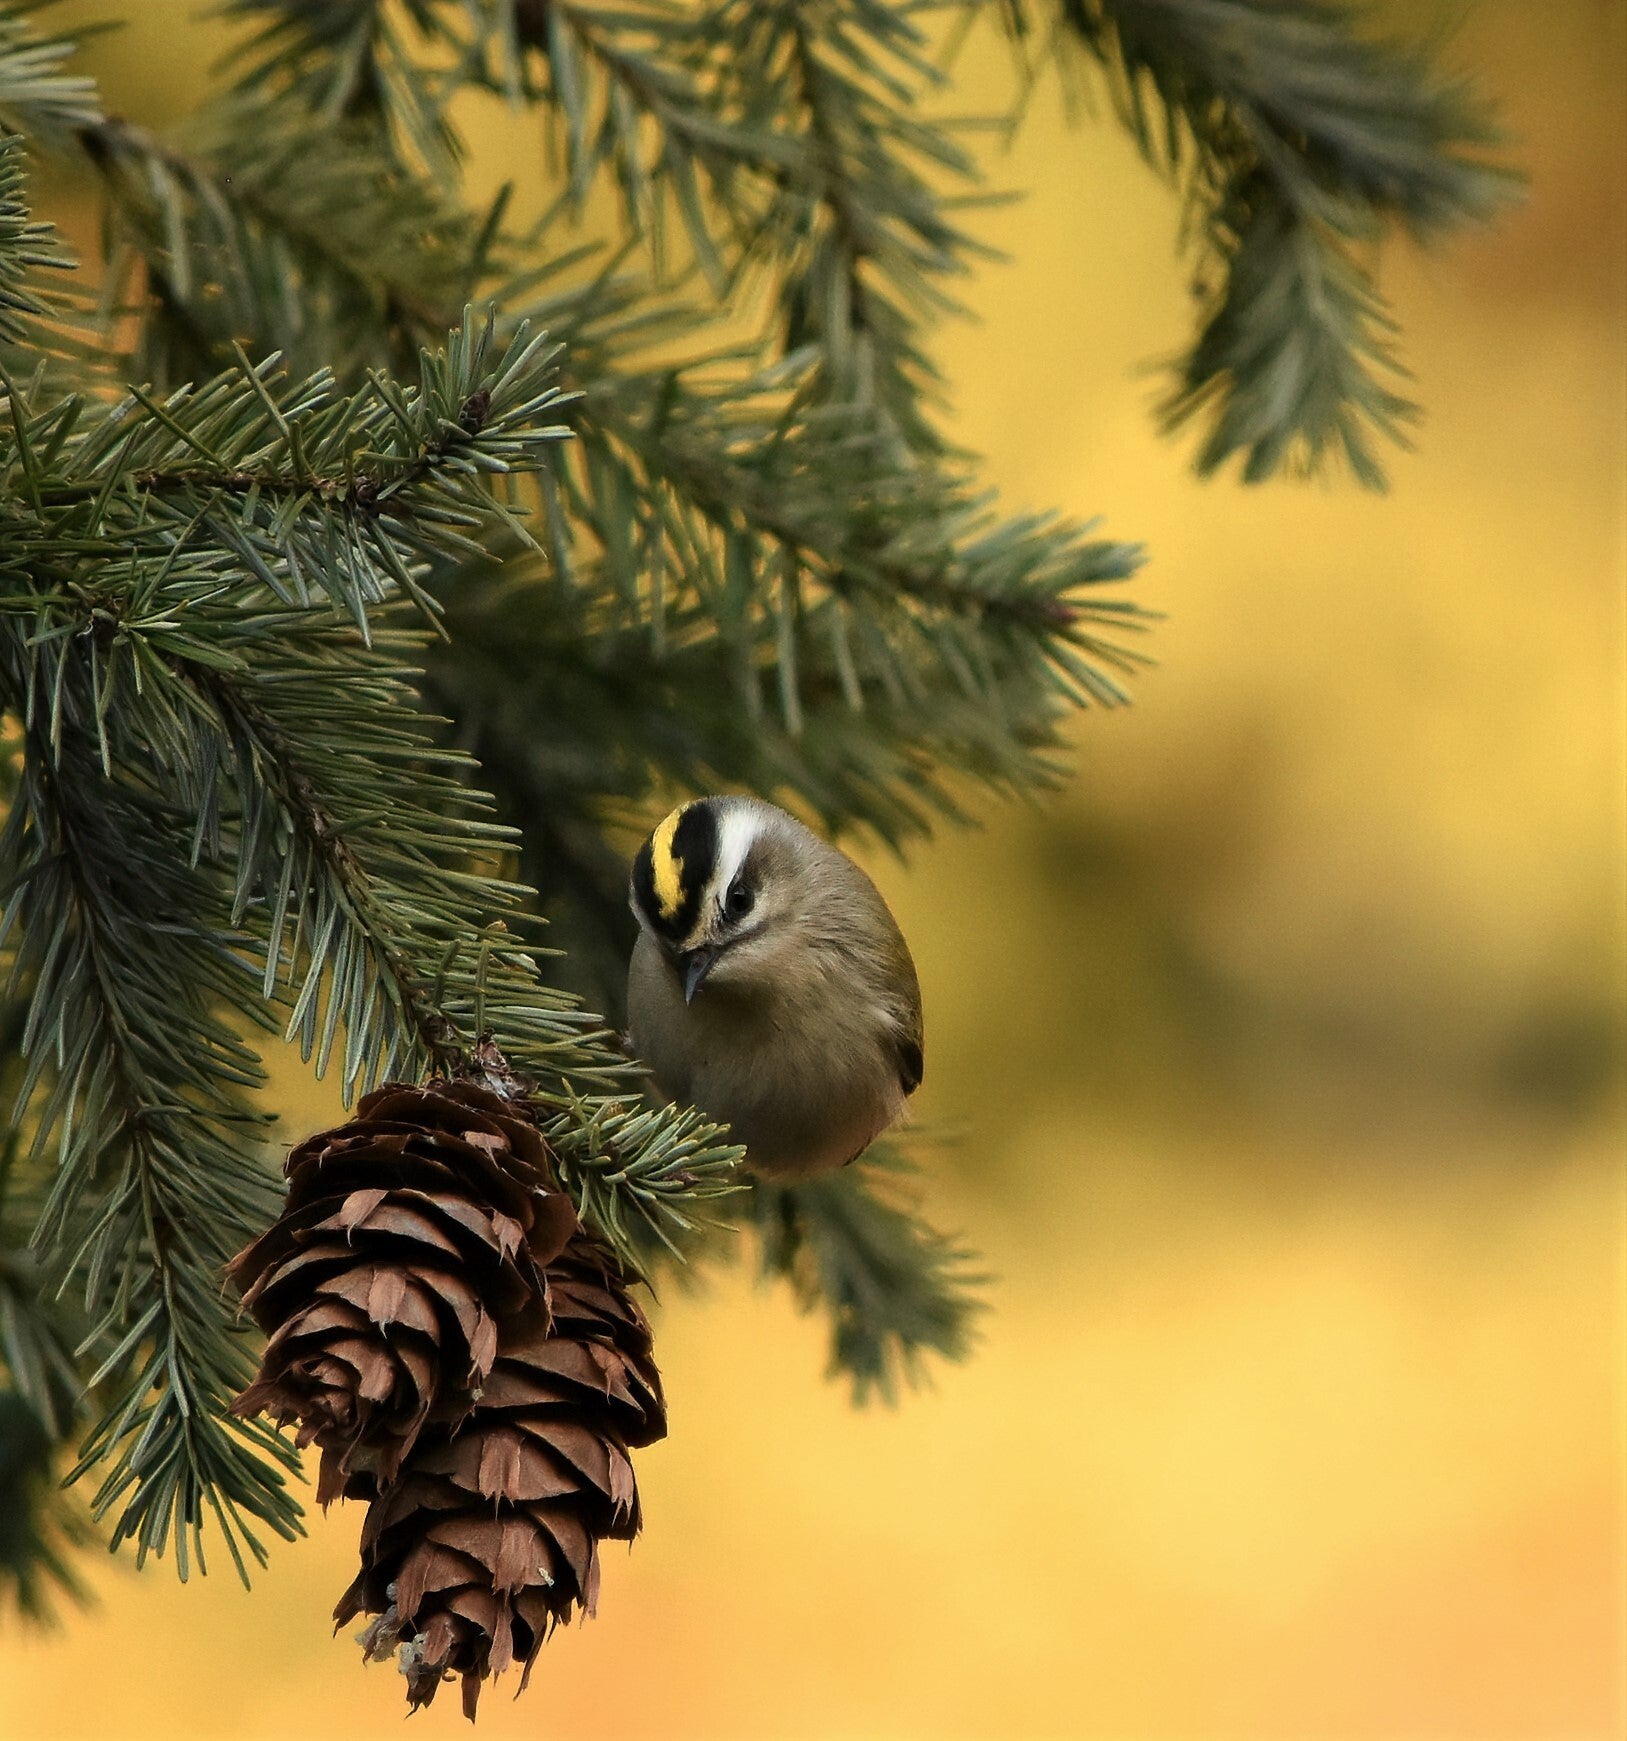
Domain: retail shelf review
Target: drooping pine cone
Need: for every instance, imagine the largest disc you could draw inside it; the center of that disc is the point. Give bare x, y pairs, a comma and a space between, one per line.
489, 1536
408, 1235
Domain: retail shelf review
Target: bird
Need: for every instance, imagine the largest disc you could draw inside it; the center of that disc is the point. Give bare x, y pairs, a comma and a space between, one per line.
770, 985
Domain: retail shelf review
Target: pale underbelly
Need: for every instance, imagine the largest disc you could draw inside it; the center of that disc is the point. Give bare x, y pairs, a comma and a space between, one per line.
808, 1123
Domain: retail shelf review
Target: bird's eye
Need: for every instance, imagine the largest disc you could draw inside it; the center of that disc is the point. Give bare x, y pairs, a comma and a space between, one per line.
739, 900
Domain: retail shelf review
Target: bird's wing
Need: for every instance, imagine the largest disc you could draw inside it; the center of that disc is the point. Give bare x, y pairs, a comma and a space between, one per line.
911, 1059
909, 1037
910, 1065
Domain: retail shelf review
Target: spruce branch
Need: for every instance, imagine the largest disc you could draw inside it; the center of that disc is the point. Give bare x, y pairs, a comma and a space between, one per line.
38, 1333
626, 92
352, 62
678, 472
696, 447
636, 95
26, 248
785, 139
42, 1530
37, 98
896, 1290
141, 1085
859, 239
46, 329
1297, 356
41, 1400
300, 234
644, 1176
313, 490
1304, 87
1299, 140
746, 462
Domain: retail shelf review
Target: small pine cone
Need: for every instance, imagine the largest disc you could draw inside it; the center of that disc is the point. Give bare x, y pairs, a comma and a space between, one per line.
490, 1535
407, 1235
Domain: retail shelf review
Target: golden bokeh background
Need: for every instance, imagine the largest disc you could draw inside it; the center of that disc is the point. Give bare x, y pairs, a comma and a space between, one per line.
1284, 1049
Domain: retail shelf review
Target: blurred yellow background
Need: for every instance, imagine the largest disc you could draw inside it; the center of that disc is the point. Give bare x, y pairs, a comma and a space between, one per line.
1285, 1049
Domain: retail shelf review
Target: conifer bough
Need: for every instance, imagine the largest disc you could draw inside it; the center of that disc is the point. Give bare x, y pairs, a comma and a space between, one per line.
371, 566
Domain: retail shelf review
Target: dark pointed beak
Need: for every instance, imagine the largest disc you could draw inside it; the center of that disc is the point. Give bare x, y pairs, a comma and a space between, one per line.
693, 967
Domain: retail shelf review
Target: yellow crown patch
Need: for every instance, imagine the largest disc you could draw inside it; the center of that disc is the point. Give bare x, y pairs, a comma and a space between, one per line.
666, 867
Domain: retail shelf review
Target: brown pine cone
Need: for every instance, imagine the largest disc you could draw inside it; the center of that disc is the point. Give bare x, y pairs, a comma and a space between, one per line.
407, 1234
489, 1536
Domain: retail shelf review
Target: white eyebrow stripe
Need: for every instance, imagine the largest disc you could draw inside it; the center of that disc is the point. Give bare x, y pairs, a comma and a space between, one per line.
737, 829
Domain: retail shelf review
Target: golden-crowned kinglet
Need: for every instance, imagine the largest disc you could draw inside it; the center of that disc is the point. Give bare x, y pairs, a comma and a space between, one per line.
770, 986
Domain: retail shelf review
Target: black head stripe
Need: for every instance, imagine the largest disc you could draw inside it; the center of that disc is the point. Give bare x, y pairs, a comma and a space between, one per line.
694, 846
644, 883
673, 868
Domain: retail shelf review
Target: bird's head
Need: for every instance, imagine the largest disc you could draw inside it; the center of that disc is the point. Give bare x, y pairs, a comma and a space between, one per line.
717, 886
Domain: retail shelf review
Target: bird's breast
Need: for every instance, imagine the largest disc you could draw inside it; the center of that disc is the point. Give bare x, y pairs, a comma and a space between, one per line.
804, 1085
